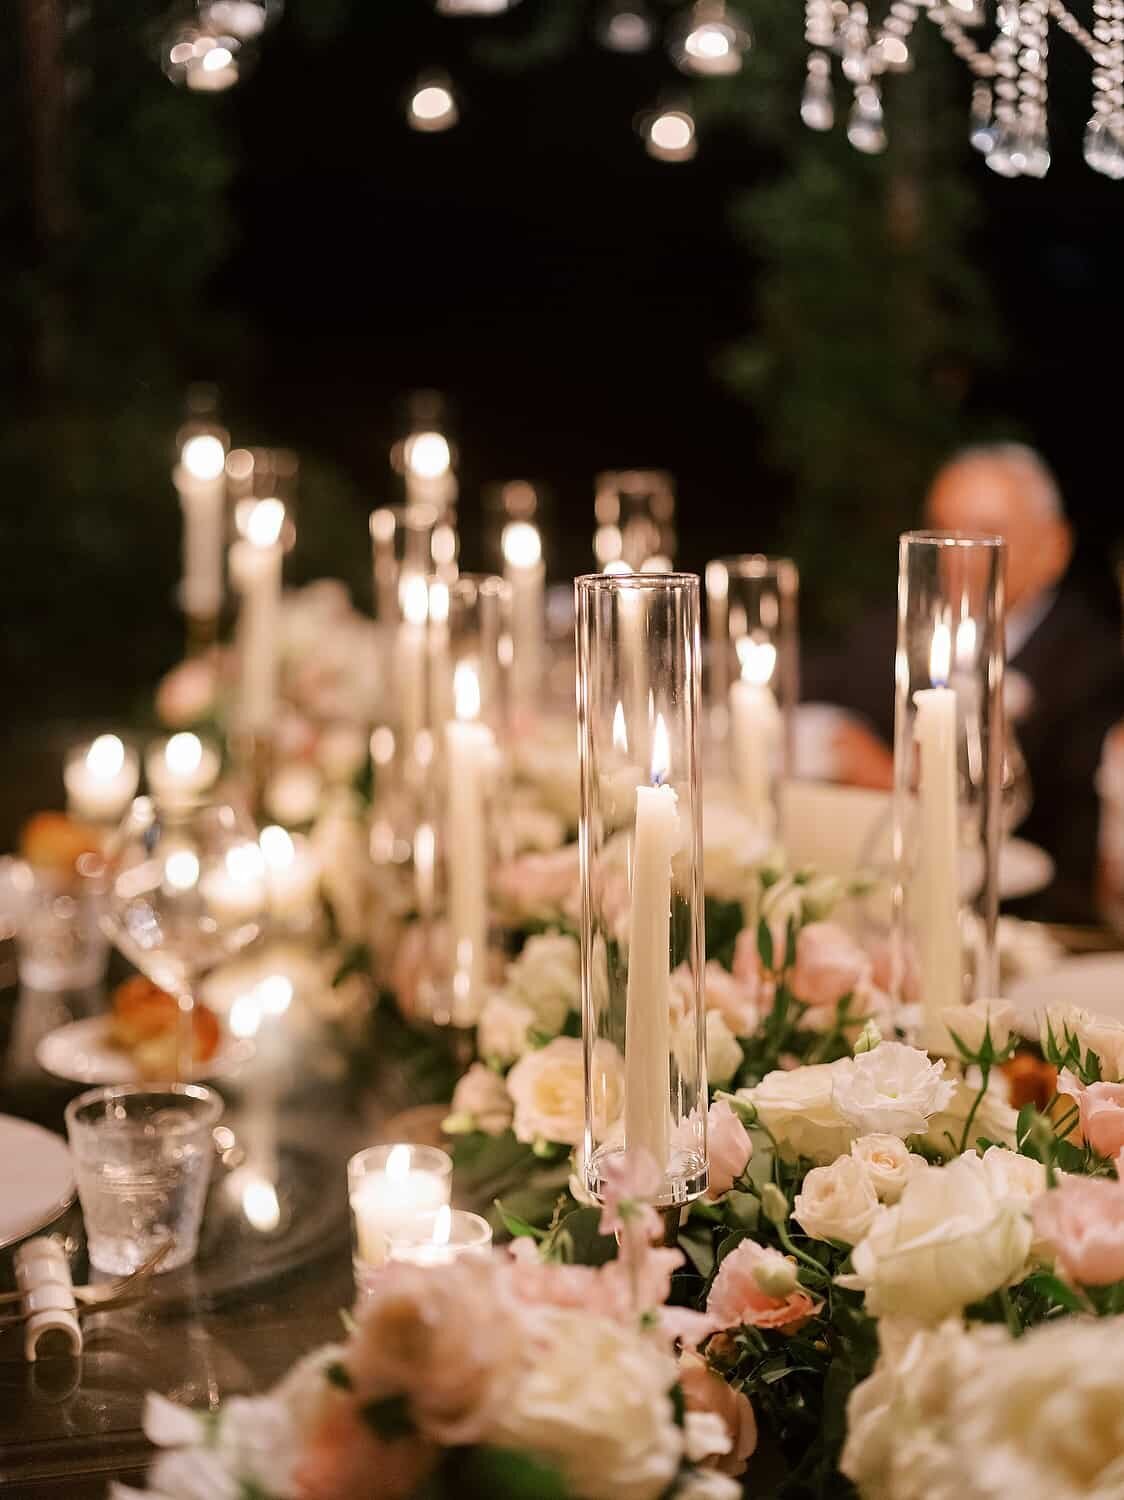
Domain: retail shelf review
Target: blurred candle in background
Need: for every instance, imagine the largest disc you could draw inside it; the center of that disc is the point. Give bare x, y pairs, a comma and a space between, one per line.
255, 564
470, 753
938, 873
181, 767
755, 722
200, 480
101, 779
524, 570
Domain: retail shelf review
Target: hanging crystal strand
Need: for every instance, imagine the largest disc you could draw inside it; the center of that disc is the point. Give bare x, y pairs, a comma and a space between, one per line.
982, 134
856, 45
1104, 135
892, 44
1004, 156
817, 103
864, 125
1033, 133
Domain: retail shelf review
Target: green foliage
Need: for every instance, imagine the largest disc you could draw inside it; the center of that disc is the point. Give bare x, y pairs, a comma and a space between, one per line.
724, 921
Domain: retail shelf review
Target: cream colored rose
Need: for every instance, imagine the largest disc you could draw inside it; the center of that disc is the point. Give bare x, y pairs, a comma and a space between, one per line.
889, 1164
949, 1241
733, 848
548, 1091
723, 1055
891, 1090
1094, 1033
994, 1119
481, 1099
503, 1032
596, 1404
837, 1202
546, 977
971, 1023
798, 1110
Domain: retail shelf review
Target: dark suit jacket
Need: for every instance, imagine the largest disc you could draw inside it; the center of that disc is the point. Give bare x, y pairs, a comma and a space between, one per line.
1074, 664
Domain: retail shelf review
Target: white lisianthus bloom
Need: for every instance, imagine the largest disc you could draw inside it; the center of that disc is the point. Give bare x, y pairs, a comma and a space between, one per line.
949, 1241
971, 1023
978, 1415
723, 1055
797, 1107
1019, 1180
994, 1119
503, 1032
733, 848
546, 977
889, 1164
548, 763
1094, 1033
837, 1202
891, 1091
596, 1404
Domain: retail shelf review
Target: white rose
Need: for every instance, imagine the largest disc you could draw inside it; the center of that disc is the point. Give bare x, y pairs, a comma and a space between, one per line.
595, 1404
891, 1091
797, 1108
889, 1164
733, 848
1095, 1033
971, 1023
949, 1241
549, 764
1018, 1179
837, 1202
993, 1120
707, 1484
723, 1055
481, 1098
503, 1031
548, 1090
546, 977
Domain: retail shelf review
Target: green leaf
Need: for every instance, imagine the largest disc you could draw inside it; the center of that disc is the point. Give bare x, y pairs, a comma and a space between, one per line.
724, 921
485, 1473
1054, 1290
582, 1237
389, 1418
516, 1227
765, 944
698, 1247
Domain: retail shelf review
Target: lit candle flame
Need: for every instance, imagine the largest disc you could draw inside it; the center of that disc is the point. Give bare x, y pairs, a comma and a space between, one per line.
264, 523
398, 1163
940, 654
620, 732
204, 456
966, 641
438, 602
277, 846
105, 757
427, 453
466, 691
181, 870
661, 752
415, 599
522, 546
245, 863
757, 660
183, 754
443, 1225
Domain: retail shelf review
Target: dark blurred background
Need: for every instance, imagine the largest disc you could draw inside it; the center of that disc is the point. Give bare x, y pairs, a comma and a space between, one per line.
796, 331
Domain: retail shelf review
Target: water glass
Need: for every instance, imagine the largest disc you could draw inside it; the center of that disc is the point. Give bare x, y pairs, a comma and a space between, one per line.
142, 1160
59, 939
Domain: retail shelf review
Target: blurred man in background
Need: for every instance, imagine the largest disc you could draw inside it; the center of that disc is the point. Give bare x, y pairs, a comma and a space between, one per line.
1065, 678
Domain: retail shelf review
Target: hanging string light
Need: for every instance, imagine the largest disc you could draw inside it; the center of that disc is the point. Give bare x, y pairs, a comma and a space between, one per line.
244, 19
669, 133
474, 7
202, 60
432, 105
625, 26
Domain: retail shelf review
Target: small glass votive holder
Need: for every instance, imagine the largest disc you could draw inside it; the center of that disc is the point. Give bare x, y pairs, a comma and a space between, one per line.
440, 1238
60, 944
101, 779
182, 767
391, 1189
142, 1162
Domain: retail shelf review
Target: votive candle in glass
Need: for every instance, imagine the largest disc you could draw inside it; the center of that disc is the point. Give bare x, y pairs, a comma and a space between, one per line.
181, 767
391, 1189
101, 779
440, 1238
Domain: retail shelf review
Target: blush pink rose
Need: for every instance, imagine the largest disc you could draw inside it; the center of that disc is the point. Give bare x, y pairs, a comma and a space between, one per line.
1082, 1220
730, 1148
737, 1001
829, 964
746, 967
1102, 1112
739, 1297
537, 883
705, 1390
343, 1453
188, 693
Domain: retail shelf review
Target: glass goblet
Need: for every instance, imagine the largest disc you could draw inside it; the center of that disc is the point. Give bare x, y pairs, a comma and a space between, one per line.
186, 890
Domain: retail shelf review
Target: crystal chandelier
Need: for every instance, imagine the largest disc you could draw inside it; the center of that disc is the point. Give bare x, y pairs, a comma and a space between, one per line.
1008, 122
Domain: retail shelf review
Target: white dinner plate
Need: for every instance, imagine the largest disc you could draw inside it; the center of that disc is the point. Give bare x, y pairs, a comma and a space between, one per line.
36, 1180
1094, 981
81, 1052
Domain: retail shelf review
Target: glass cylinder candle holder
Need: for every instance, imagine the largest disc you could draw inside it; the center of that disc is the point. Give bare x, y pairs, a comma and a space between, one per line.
391, 1189
635, 512
948, 766
440, 1238
641, 877
753, 670
401, 548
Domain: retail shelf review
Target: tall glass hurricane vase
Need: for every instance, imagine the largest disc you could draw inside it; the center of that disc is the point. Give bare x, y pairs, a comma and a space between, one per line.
948, 770
641, 875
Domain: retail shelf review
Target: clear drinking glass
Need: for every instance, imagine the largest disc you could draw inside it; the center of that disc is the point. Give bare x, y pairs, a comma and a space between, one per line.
639, 669
187, 889
949, 746
142, 1161
59, 939
401, 546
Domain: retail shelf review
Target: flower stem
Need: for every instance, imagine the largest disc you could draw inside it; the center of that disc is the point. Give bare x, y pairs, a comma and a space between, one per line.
976, 1102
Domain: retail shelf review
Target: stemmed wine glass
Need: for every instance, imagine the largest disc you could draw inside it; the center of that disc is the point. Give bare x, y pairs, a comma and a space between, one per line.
186, 890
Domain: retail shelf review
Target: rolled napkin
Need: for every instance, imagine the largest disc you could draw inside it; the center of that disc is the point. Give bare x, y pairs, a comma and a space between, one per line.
43, 1277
